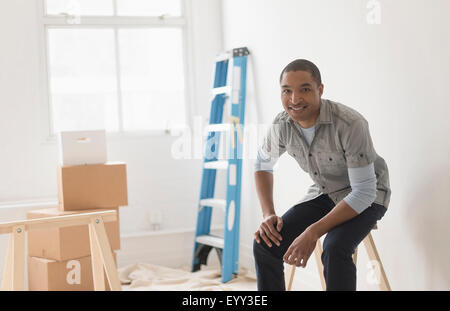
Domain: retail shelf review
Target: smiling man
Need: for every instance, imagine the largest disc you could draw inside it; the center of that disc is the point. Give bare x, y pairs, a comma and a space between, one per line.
351, 191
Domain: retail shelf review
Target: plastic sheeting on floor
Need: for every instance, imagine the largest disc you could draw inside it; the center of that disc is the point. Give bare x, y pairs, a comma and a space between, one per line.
149, 277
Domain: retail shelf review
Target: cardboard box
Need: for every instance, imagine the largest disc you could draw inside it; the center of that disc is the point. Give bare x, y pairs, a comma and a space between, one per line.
68, 275
67, 242
92, 186
82, 147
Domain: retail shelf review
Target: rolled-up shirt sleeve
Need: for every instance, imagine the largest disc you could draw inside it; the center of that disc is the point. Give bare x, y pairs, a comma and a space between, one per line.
271, 149
358, 146
264, 162
363, 182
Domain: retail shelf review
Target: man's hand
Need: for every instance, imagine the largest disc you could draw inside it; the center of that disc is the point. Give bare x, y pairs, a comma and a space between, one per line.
301, 249
267, 230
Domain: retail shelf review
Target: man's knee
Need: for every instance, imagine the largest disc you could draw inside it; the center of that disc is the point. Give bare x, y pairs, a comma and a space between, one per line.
336, 249
261, 250
258, 248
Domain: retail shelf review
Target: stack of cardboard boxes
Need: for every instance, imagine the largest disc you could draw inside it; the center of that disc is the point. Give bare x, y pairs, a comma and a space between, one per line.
59, 259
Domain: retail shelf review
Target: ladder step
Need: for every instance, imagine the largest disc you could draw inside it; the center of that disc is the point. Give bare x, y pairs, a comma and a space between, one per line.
219, 127
216, 165
221, 90
211, 240
217, 203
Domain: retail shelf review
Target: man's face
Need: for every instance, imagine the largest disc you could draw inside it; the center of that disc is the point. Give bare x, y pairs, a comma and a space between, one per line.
300, 96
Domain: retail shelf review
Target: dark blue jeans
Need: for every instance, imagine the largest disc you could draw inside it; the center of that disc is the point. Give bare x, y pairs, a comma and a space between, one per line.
338, 246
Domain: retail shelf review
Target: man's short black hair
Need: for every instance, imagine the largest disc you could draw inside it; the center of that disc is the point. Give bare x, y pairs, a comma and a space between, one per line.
303, 65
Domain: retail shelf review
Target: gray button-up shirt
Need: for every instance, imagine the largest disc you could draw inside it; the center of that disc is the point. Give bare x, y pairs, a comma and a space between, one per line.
341, 140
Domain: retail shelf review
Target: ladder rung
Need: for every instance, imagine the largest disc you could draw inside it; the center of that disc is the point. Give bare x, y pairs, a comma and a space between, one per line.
217, 203
218, 127
216, 165
211, 240
221, 90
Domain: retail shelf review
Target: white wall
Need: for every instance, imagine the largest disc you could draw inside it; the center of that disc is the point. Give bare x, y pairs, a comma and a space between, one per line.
28, 164
396, 74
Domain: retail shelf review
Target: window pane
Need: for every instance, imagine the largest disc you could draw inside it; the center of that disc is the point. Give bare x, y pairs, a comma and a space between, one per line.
83, 83
148, 8
152, 78
80, 7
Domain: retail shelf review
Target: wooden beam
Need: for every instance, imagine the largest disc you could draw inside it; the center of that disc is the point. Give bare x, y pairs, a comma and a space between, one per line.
98, 274
107, 259
58, 221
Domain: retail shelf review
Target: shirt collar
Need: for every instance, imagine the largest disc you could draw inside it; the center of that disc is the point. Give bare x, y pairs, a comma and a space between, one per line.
325, 113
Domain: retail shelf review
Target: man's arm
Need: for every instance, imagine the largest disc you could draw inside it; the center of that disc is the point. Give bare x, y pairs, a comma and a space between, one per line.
364, 189
341, 213
267, 230
363, 183
301, 249
264, 189
264, 181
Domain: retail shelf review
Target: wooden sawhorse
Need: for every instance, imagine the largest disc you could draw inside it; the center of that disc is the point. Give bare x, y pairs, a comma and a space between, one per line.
371, 251
101, 254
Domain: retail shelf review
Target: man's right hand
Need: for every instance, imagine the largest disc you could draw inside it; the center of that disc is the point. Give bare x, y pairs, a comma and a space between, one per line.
269, 230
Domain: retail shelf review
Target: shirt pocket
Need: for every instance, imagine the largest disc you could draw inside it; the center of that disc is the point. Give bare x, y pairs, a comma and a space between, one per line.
332, 163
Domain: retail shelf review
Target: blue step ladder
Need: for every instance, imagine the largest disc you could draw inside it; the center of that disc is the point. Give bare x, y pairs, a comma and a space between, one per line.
227, 247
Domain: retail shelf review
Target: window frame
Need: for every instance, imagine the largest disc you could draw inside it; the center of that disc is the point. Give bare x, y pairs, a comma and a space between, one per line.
46, 22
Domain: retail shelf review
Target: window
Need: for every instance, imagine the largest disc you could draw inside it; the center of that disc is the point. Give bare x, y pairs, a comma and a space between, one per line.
115, 64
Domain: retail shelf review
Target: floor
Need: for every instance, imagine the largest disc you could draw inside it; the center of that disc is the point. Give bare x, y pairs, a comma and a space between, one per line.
149, 277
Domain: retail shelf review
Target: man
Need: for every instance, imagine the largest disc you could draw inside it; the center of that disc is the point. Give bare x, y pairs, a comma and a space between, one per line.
351, 191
